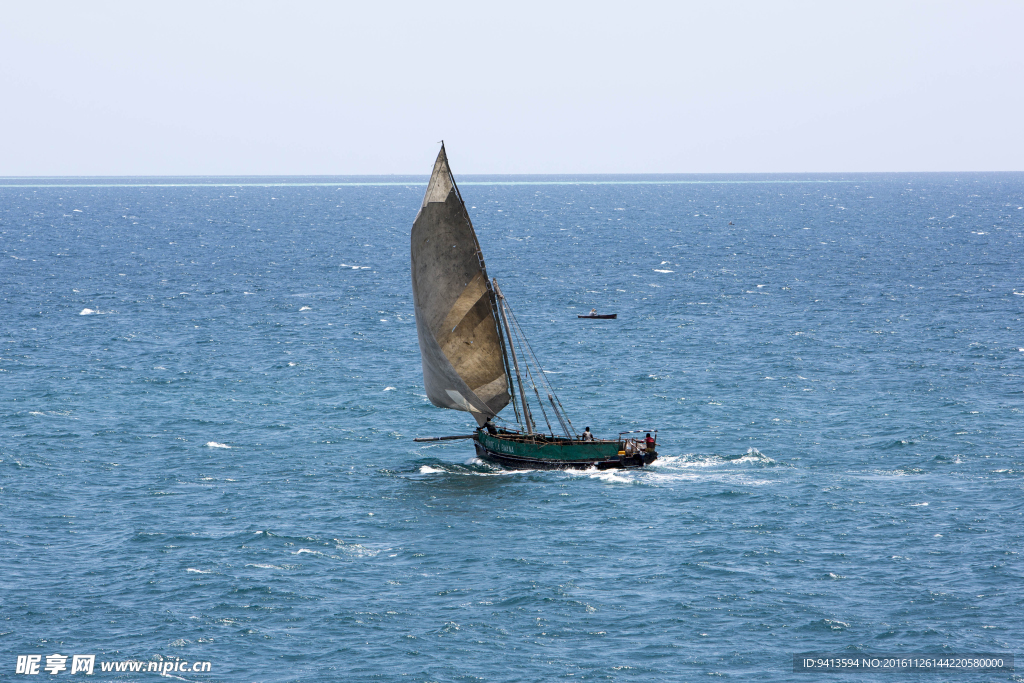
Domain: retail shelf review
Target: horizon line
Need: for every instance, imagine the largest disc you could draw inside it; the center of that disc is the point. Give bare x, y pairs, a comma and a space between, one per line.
385, 180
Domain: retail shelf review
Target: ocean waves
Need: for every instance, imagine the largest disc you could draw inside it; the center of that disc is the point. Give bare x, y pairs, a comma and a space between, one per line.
217, 457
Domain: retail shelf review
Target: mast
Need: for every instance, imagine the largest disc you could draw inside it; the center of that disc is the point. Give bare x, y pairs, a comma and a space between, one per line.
497, 313
515, 362
495, 310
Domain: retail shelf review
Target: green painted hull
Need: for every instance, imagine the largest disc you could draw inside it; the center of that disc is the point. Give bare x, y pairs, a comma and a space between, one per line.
515, 450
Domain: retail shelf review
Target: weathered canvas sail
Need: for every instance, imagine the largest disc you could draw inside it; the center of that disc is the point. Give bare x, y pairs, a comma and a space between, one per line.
463, 363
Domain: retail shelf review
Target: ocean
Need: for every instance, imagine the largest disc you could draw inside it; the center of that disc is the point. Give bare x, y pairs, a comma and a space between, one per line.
209, 390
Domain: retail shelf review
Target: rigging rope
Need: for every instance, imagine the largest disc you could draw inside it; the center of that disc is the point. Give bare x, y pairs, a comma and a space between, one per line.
525, 344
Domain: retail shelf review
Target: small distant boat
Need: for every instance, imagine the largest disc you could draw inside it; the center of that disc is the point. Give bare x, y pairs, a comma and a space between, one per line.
476, 357
601, 316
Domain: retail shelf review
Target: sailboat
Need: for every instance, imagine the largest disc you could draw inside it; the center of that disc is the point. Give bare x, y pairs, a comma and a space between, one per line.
472, 347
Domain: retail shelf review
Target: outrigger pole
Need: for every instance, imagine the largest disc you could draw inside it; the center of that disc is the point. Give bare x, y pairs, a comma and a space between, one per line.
443, 438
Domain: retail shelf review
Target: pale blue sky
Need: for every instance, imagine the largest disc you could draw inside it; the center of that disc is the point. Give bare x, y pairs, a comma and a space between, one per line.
128, 88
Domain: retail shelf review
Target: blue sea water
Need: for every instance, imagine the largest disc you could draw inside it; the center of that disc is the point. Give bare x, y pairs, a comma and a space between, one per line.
209, 389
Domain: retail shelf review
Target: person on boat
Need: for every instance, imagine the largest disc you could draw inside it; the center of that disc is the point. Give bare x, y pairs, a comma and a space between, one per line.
587, 436
649, 441
593, 311
490, 427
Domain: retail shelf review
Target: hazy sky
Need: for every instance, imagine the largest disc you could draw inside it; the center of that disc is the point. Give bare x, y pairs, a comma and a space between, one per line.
145, 88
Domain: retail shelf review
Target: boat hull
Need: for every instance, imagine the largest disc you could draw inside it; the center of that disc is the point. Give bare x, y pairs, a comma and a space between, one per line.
609, 316
557, 455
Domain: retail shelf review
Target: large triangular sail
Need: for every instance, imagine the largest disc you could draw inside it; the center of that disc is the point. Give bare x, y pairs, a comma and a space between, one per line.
463, 360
